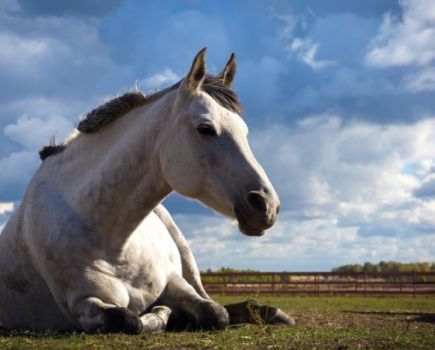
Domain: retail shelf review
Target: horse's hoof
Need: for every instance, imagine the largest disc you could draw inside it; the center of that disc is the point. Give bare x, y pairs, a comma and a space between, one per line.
280, 317
213, 317
121, 320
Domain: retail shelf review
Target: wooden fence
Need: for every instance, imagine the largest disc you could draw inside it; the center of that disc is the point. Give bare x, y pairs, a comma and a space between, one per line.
320, 283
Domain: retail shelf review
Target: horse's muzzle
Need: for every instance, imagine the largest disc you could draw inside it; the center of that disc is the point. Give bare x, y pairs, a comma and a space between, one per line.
257, 213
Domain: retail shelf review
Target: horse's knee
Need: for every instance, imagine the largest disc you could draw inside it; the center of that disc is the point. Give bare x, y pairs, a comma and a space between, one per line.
121, 320
212, 316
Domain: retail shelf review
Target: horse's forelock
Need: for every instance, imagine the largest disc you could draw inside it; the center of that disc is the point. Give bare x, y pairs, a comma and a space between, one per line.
222, 94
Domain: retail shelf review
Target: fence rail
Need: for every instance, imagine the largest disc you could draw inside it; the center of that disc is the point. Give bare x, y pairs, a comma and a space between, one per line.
317, 283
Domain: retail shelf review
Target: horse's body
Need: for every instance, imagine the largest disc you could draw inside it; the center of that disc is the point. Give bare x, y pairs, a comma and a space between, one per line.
91, 248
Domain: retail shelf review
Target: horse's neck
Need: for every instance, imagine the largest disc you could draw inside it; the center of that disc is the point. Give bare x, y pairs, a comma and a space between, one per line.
123, 181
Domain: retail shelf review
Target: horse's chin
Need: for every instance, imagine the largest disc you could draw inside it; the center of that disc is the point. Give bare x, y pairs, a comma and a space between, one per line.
245, 228
252, 232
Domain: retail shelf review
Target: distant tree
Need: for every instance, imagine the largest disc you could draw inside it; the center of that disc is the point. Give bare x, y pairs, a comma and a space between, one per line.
389, 266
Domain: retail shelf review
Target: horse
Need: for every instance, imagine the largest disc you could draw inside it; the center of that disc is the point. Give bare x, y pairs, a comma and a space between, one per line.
91, 248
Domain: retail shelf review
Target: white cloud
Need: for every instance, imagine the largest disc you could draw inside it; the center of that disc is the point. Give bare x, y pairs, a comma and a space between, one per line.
289, 24
320, 243
303, 47
306, 51
6, 207
321, 159
207, 235
52, 68
199, 226
314, 244
49, 56
158, 80
405, 41
17, 52
32, 132
424, 80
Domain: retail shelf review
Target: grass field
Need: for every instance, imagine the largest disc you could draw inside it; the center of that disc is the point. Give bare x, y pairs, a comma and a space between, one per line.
322, 323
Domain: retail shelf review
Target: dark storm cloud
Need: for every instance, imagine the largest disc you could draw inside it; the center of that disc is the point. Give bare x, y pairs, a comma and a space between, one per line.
81, 8
426, 190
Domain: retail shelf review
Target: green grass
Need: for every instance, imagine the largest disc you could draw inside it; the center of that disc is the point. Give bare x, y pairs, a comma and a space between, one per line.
322, 323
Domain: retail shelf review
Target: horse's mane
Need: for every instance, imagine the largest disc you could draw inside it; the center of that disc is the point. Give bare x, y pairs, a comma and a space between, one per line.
121, 105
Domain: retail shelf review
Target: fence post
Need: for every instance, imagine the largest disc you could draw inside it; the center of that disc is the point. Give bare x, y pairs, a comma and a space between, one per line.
413, 285
365, 284
318, 285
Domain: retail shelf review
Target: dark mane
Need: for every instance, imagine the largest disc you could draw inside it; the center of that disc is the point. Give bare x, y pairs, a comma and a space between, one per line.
121, 105
50, 150
110, 111
222, 94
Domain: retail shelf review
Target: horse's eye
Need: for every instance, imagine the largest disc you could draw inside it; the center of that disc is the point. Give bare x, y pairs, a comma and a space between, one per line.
206, 130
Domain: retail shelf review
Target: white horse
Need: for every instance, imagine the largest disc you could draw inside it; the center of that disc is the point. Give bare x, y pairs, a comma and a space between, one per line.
90, 247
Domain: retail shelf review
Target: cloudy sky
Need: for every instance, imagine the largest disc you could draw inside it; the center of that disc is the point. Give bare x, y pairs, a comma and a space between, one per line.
339, 97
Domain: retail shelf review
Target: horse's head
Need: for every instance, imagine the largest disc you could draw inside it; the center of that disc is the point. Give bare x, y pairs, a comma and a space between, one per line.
206, 154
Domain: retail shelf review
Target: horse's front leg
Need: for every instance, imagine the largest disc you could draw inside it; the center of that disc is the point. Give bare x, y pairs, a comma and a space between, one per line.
190, 310
95, 316
251, 311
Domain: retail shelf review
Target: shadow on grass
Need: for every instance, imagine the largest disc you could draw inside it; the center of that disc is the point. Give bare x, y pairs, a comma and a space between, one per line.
426, 317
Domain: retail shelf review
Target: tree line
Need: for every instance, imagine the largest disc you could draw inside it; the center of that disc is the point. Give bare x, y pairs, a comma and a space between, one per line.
387, 266
380, 267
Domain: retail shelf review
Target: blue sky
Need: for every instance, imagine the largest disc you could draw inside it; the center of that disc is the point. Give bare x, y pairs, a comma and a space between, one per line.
339, 98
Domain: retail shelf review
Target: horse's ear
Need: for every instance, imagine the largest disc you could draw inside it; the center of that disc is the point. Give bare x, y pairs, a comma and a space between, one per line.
229, 71
197, 72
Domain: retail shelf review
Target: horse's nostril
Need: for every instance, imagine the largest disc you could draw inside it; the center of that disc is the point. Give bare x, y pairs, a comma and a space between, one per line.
257, 201
278, 208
